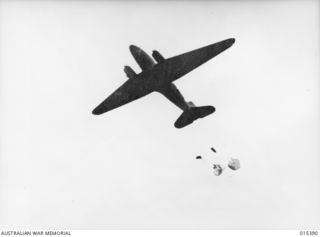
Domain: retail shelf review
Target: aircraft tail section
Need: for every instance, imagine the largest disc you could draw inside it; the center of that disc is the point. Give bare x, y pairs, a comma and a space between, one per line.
191, 104
192, 114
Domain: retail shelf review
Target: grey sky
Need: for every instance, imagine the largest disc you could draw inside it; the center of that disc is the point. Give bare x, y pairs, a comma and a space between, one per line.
62, 167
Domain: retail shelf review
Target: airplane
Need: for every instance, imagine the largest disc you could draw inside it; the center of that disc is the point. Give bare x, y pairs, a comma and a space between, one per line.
159, 75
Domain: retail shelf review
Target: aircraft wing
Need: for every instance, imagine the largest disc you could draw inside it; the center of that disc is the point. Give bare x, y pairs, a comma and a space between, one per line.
182, 64
126, 93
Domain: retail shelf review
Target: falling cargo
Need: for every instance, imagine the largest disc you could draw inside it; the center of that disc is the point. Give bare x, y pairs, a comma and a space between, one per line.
217, 169
212, 149
234, 164
198, 157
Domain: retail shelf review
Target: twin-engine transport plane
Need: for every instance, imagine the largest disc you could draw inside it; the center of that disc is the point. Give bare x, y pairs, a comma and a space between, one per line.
159, 77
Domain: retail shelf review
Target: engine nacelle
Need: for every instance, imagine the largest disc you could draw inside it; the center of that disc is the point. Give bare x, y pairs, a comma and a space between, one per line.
129, 72
157, 56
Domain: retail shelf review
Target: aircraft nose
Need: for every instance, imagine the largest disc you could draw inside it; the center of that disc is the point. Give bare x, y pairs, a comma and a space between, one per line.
134, 49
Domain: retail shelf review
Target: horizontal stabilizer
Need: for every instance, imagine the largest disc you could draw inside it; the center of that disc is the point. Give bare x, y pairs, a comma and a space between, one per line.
188, 116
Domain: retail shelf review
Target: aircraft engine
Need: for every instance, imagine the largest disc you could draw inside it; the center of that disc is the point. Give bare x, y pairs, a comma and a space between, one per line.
157, 56
129, 72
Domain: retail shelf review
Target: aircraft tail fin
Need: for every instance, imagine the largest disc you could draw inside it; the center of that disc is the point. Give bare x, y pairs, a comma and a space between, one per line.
192, 114
191, 104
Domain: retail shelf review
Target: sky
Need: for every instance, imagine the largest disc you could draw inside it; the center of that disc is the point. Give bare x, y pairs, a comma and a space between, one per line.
62, 167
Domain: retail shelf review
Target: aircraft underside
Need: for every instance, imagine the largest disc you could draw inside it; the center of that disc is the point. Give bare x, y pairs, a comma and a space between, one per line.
159, 77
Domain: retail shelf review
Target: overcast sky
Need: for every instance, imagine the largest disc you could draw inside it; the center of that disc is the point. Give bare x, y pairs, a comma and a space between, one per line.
62, 167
